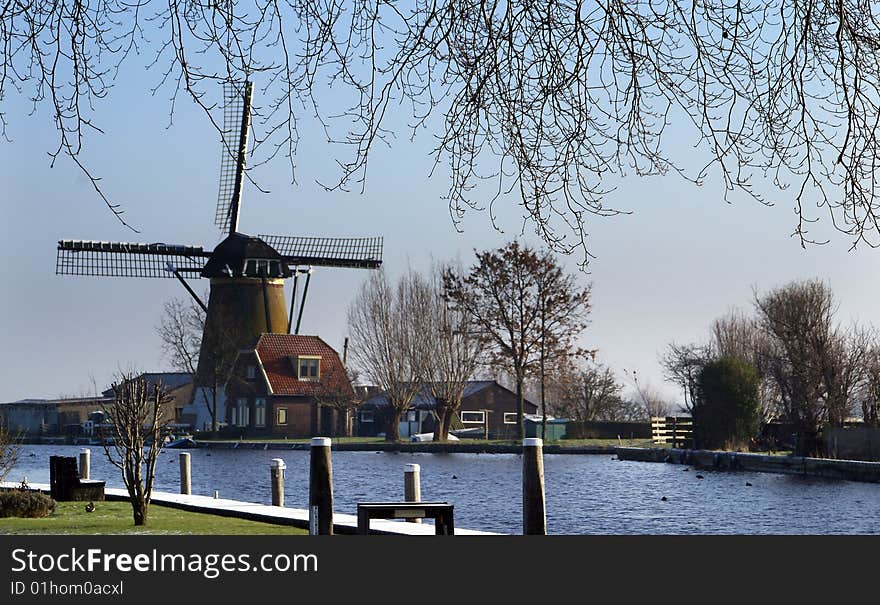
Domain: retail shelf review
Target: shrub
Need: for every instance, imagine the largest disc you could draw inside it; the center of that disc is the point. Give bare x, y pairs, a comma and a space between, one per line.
726, 408
16, 503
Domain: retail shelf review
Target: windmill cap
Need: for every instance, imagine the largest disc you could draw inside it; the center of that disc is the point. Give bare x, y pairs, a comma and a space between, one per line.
237, 248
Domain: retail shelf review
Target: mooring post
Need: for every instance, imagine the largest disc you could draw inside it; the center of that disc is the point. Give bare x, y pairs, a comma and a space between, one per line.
534, 512
185, 474
412, 486
276, 472
85, 462
320, 488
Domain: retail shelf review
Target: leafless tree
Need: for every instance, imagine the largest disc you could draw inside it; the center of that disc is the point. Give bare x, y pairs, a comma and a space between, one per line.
588, 392
799, 319
181, 328
137, 417
524, 306
337, 392
869, 395
682, 365
9, 450
651, 400
449, 348
542, 99
383, 327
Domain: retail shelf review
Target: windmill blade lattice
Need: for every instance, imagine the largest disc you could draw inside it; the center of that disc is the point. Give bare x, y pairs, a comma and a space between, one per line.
124, 259
236, 121
354, 252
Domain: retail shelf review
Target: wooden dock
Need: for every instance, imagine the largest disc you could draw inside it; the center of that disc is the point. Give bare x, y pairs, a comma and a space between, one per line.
297, 517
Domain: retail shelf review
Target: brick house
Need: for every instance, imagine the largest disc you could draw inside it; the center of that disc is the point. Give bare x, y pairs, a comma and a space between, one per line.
287, 386
485, 405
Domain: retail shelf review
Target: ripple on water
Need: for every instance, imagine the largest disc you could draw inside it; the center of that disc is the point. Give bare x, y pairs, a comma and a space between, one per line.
585, 494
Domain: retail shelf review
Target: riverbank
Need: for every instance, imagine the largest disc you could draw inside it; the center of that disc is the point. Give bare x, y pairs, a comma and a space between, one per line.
850, 470
475, 446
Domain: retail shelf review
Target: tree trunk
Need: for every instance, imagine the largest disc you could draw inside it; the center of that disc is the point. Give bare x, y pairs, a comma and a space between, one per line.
442, 428
447, 419
393, 431
139, 512
520, 406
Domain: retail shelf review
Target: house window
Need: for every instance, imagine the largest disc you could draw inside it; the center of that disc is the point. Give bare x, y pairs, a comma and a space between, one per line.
244, 413
509, 417
251, 372
367, 416
281, 416
308, 368
260, 412
473, 417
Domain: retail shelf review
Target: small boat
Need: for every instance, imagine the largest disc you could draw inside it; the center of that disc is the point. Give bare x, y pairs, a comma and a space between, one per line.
184, 443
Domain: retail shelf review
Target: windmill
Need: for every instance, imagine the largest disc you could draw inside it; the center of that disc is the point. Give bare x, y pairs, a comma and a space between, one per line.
246, 272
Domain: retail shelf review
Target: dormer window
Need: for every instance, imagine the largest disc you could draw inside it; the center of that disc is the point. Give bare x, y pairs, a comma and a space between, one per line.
261, 267
308, 367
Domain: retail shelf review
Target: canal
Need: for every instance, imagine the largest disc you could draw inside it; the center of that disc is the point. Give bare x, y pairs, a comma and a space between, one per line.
586, 494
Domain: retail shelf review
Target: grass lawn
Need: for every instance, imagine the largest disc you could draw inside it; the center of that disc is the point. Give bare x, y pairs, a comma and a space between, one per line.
115, 518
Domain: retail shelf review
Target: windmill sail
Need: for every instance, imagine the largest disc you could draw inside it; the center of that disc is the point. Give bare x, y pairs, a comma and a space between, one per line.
124, 259
236, 124
354, 252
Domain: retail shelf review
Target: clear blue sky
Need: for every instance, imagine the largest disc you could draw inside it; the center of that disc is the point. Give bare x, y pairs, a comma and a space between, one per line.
663, 273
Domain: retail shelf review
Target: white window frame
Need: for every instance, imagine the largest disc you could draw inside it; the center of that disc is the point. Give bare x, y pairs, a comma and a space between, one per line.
279, 412
511, 415
482, 414
300, 359
367, 416
251, 372
260, 412
244, 413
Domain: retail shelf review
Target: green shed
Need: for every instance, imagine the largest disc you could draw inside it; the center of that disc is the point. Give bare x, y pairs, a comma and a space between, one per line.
555, 427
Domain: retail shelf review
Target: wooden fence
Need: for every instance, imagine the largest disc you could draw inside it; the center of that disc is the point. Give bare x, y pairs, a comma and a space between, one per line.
678, 431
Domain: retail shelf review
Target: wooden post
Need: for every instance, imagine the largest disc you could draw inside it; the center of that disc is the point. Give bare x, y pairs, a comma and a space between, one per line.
320, 488
412, 486
85, 462
534, 512
276, 472
185, 474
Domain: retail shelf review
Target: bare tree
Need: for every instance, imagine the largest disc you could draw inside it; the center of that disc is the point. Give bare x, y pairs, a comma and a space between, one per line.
651, 400
798, 318
181, 328
137, 417
542, 99
588, 392
682, 365
336, 392
449, 348
869, 394
383, 328
9, 450
524, 306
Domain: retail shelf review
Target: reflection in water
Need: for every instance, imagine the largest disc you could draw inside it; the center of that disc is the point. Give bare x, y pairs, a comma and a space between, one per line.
585, 494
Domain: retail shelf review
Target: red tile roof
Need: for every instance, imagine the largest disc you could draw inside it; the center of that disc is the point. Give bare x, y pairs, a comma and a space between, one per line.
276, 350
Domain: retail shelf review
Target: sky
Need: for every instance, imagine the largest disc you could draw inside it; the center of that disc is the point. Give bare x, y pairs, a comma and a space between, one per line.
661, 274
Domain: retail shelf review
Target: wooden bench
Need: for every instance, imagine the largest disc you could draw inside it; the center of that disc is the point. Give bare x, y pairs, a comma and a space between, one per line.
65, 484
441, 512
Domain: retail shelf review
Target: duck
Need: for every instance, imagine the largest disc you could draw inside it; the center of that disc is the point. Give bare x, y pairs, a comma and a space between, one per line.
699, 476
664, 499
